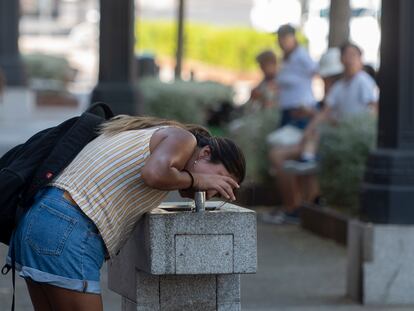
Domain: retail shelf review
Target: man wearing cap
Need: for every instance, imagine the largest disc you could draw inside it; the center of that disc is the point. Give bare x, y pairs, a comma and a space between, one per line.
294, 79
297, 105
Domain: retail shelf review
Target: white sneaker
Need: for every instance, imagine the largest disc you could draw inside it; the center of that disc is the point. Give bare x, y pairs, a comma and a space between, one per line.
280, 218
300, 167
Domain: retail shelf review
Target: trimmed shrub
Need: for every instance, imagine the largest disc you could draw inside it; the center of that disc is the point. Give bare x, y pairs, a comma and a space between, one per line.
250, 132
182, 101
344, 150
227, 47
48, 67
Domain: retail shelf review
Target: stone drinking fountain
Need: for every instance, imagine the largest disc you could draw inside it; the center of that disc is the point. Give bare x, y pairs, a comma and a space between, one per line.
185, 257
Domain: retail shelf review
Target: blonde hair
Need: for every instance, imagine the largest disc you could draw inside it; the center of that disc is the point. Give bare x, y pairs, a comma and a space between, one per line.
123, 123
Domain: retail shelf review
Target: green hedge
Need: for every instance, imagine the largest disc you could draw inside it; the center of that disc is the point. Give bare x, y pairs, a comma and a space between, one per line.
182, 101
228, 47
344, 150
48, 67
250, 132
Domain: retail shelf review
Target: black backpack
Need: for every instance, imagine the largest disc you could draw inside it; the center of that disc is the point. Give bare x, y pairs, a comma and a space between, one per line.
30, 166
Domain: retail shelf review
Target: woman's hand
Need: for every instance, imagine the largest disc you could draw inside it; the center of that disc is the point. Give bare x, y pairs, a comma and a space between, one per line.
216, 184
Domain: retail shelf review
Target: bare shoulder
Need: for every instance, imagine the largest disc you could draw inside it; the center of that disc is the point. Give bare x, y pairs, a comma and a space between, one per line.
172, 133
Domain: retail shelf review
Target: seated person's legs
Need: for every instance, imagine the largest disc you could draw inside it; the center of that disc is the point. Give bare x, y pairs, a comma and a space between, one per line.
287, 184
306, 163
309, 186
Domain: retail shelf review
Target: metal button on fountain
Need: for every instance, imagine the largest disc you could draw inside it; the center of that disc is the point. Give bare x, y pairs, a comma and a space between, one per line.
180, 258
200, 201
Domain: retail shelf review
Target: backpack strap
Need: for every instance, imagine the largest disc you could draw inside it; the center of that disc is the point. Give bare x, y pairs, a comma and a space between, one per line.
13, 267
6, 268
84, 130
108, 114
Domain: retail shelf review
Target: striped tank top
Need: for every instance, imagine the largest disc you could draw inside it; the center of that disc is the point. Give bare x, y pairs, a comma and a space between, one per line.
105, 181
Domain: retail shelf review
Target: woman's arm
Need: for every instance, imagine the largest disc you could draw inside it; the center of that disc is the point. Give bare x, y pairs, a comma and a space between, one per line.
171, 149
319, 118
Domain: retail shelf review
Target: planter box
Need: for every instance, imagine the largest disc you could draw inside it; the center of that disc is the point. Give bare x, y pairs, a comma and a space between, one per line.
326, 222
46, 99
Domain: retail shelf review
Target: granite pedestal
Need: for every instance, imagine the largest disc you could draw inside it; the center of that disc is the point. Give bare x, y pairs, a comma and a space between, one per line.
380, 263
178, 259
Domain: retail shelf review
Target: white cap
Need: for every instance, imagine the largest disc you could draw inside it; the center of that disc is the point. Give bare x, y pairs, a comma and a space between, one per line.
330, 63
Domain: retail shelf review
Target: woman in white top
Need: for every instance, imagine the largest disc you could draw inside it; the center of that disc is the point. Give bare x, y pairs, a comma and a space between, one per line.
89, 211
356, 92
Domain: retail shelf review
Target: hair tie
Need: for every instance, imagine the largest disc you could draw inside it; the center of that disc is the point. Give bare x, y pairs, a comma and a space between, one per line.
192, 179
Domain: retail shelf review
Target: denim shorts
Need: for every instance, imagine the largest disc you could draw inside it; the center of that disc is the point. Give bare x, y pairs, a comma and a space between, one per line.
57, 244
288, 119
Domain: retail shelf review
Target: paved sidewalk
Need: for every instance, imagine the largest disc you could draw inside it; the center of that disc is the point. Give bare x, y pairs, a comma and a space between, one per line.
14, 131
297, 272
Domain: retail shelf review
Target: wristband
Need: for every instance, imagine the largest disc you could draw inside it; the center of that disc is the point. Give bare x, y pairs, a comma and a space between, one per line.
192, 179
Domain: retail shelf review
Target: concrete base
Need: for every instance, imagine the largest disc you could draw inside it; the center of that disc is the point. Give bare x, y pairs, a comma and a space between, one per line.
380, 264
185, 293
17, 103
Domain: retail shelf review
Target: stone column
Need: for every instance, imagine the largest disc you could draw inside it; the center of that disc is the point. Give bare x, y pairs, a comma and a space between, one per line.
116, 57
10, 60
380, 265
388, 188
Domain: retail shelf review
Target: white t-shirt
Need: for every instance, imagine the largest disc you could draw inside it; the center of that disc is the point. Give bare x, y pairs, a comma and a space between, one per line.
295, 80
351, 97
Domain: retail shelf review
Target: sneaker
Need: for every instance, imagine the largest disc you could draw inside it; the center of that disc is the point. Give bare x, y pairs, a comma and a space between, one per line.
281, 218
319, 201
272, 217
293, 218
301, 167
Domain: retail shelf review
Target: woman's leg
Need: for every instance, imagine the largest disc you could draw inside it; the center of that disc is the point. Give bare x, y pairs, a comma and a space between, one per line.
310, 144
310, 182
287, 183
38, 296
64, 247
310, 187
47, 297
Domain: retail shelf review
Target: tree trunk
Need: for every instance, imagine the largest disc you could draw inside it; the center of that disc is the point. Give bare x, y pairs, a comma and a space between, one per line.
339, 17
180, 40
304, 8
